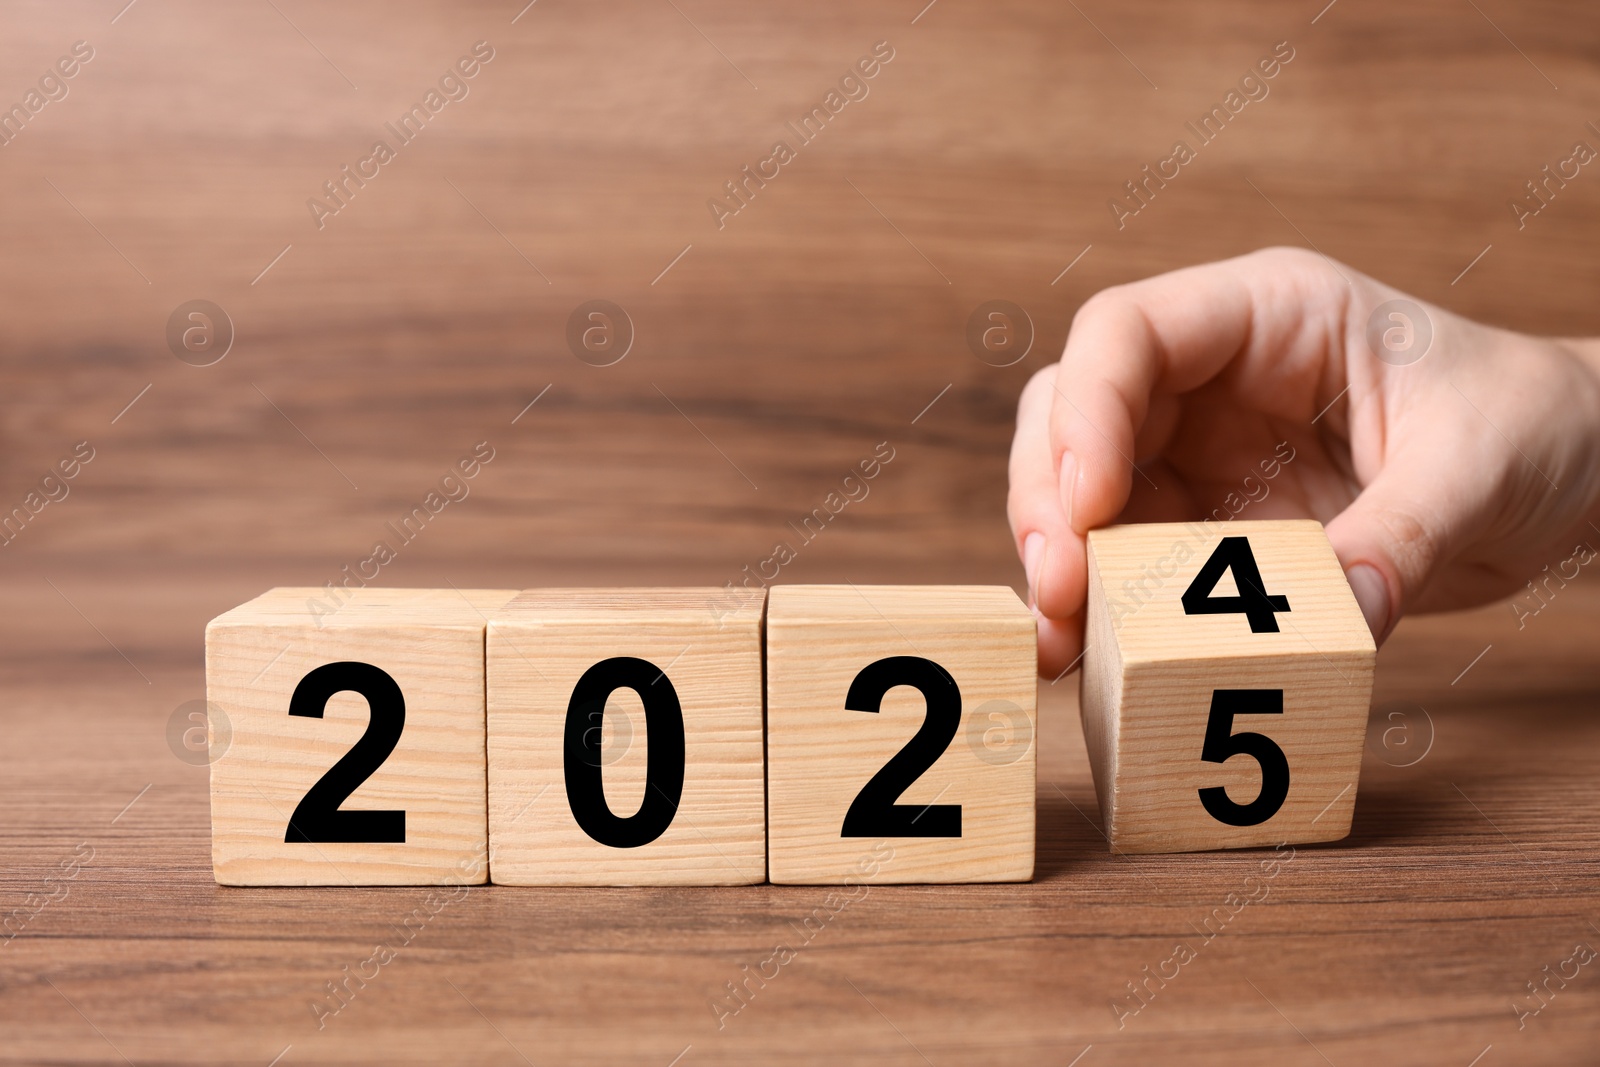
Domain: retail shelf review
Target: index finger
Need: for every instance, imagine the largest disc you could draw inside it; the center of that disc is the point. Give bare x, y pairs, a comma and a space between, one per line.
1271, 312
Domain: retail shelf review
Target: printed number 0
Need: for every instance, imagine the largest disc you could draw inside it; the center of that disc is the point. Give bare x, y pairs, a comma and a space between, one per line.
1221, 742
874, 812
663, 718
317, 818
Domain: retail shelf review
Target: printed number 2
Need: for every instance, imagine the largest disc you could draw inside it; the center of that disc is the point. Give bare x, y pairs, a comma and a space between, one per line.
874, 812
1233, 553
1221, 742
317, 818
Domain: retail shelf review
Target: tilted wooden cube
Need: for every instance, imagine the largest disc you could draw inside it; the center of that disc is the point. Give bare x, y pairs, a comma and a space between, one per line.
625, 738
900, 734
357, 737
1226, 681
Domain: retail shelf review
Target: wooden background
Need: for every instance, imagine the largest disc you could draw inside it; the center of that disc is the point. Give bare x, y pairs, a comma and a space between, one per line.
820, 321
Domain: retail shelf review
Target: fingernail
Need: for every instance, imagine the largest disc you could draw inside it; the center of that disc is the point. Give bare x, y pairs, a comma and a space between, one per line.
1032, 553
1069, 484
1372, 593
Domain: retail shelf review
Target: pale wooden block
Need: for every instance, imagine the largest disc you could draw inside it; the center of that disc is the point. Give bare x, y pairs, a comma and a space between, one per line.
695, 650
973, 647
430, 643
1150, 672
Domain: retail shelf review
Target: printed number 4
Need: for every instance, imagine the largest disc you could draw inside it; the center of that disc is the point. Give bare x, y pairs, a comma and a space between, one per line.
1253, 602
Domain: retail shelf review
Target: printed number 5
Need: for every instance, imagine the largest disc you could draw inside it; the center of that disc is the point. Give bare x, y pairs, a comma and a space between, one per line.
1221, 742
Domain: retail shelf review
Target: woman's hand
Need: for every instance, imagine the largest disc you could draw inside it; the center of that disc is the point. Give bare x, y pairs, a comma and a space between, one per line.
1445, 480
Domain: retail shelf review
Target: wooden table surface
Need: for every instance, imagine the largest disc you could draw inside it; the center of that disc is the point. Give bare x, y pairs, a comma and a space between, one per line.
769, 356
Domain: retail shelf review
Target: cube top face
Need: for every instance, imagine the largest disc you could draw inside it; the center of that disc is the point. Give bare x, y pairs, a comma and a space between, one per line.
380, 764
679, 605
625, 738
1215, 719
309, 606
1145, 571
994, 604
901, 727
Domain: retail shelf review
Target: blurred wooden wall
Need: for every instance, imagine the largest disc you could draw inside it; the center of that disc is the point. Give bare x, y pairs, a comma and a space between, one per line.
775, 354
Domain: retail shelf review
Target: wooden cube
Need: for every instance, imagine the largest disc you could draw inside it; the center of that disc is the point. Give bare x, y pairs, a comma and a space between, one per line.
357, 748
625, 738
900, 734
1226, 679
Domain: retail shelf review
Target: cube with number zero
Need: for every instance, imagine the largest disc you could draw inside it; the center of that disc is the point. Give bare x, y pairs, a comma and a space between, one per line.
625, 738
1226, 682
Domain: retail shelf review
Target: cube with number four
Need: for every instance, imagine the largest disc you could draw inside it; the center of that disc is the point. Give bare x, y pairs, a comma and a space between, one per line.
1226, 681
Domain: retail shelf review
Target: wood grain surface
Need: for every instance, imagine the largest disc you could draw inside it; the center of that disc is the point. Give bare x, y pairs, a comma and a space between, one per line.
769, 359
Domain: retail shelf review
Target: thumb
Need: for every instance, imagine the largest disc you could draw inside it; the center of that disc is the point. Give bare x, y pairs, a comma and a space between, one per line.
1398, 532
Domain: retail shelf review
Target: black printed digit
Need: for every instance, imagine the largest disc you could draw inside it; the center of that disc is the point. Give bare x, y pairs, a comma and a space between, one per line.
1221, 742
663, 718
318, 818
1253, 601
874, 812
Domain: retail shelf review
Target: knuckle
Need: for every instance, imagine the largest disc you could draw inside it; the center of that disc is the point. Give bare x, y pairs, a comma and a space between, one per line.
1413, 543
1311, 269
1041, 382
1287, 256
1014, 515
1106, 301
